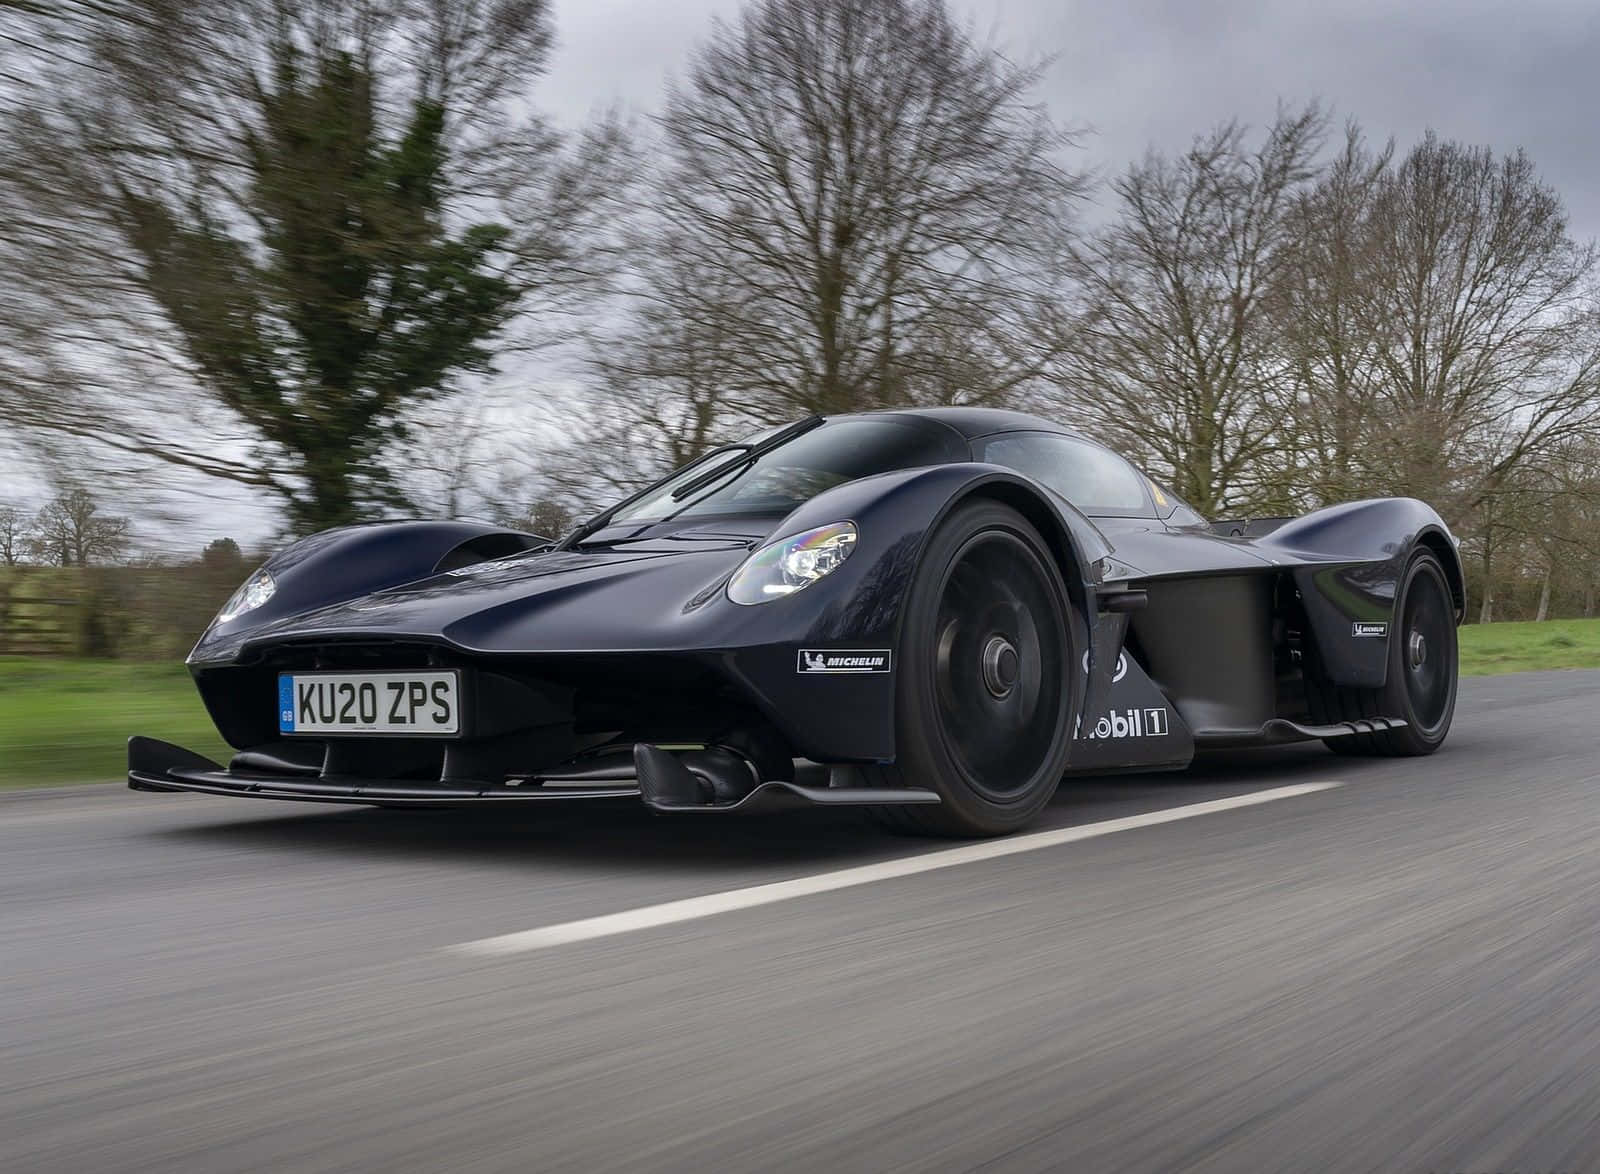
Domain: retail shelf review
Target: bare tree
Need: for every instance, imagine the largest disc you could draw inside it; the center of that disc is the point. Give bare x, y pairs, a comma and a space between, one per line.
669, 386
1541, 522
448, 447
859, 207
15, 531
1443, 342
1481, 302
1331, 343
1172, 357
545, 516
70, 531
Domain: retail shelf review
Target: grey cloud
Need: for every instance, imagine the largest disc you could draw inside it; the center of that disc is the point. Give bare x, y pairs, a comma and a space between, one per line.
1159, 71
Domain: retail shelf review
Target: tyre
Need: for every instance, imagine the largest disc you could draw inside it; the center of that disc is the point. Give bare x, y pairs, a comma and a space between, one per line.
1423, 668
984, 683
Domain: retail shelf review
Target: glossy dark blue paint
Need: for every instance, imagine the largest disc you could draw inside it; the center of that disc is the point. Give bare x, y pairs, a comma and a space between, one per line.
644, 594
347, 563
1348, 560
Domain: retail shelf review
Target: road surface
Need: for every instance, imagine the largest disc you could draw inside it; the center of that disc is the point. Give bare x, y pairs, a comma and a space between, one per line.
1400, 972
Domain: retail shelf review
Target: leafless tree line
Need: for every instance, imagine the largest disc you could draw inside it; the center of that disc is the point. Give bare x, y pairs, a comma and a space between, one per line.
1273, 326
843, 205
70, 530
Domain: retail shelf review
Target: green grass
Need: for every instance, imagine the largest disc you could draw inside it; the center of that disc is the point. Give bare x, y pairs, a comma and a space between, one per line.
1516, 648
66, 721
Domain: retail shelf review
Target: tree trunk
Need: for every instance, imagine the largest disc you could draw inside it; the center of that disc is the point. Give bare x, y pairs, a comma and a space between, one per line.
1544, 599
1486, 611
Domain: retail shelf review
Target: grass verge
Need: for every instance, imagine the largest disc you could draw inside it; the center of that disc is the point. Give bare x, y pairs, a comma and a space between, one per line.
68, 721
1519, 648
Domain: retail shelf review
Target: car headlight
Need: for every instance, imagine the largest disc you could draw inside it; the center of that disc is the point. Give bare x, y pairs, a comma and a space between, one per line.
255, 591
784, 567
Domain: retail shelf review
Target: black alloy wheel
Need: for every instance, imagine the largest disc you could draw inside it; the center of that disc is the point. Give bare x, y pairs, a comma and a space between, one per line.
1425, 649
1424, 665
985, 677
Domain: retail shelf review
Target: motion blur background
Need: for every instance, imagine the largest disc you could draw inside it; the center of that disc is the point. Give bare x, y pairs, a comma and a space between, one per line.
278, 265
269, 266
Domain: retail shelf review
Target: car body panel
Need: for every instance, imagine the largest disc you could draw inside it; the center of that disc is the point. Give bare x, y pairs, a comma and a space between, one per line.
635, 629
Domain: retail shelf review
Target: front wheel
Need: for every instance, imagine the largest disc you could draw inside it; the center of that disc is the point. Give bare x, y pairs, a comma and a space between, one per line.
1424, 665
984, 690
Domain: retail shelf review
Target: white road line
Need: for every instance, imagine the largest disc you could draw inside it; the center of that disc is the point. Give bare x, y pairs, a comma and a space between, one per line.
651, 916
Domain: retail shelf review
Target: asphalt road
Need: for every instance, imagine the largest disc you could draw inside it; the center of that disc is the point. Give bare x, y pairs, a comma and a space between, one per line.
1399, 973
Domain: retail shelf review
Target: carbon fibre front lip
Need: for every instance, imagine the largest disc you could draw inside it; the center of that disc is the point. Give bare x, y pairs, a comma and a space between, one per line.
366, 792
773, 796
160, 766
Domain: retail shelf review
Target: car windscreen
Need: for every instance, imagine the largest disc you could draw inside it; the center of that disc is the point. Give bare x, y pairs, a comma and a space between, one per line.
776, 482
1094, 479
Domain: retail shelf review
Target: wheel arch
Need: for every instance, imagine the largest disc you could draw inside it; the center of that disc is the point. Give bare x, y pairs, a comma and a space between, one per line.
1348, 562
1074, 544
1450, 559
1052, 527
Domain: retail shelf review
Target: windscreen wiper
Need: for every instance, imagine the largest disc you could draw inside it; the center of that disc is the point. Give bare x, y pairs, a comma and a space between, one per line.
747, 453
583, 529
751, 454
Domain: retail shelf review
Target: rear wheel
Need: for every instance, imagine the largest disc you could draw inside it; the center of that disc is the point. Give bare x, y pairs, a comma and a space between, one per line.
1423, 668
984, 678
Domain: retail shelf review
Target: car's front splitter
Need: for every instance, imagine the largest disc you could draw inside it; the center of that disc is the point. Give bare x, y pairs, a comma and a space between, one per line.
659, 780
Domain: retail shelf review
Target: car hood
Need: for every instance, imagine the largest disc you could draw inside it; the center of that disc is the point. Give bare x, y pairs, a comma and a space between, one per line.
630, 594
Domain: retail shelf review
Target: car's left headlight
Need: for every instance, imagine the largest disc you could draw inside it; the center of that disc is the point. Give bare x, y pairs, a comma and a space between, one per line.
789, 564
252, 593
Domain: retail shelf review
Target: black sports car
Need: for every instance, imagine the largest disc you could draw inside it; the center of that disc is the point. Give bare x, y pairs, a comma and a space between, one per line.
936, 614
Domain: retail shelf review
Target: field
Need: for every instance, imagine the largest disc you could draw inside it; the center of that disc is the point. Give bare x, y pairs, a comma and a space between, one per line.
1518, 648
69, 720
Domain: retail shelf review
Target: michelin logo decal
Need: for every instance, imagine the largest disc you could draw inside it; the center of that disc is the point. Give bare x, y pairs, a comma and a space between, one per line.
851, 660
1367, 629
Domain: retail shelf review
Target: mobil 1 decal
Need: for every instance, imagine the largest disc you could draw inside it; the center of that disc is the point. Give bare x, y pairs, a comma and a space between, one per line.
1136, 728
1149, 722
1136, 711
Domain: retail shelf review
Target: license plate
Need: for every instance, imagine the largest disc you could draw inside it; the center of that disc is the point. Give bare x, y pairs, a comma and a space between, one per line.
417, 704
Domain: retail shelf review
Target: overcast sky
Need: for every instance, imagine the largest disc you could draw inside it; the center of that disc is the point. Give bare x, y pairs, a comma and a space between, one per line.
1144, 72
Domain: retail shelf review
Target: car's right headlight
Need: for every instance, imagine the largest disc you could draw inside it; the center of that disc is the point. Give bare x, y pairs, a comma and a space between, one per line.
252, 593
789, 564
